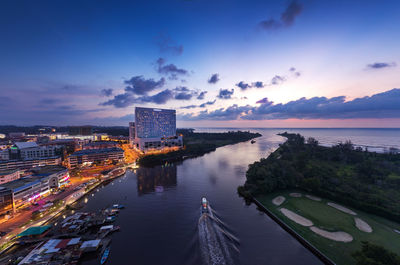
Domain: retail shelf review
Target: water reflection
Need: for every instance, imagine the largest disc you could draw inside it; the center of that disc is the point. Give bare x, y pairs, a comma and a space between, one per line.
156, 179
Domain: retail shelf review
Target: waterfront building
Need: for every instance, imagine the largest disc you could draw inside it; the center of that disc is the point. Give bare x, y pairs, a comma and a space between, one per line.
155, 129
90, 156
37, 185
9, 175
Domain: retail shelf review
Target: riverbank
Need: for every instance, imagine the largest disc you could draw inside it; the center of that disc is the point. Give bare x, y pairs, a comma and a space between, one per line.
198, 144
334, 233
68, 201
343, 195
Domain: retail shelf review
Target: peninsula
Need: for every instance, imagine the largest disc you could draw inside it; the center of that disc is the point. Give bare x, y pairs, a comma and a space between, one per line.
334, 197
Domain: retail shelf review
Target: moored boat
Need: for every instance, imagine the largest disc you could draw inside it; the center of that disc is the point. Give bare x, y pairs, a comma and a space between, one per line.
105, 255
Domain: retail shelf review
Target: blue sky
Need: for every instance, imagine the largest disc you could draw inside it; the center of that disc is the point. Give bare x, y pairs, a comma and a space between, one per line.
58, 56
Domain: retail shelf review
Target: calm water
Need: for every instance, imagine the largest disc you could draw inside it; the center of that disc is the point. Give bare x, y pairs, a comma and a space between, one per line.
162, 223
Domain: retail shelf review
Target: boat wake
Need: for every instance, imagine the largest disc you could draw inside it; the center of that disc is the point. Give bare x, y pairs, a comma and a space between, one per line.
217, 244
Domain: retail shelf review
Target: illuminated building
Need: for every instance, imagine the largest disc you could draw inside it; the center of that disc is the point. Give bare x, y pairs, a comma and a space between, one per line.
31, 150
27, 189
95, 155
27, 164
9, 175
131, 132
6, 202
155, 129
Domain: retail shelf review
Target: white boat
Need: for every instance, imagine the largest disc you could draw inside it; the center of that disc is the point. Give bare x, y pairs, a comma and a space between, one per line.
204, 205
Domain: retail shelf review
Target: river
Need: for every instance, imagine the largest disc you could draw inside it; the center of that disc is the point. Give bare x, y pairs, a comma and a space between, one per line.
162, 223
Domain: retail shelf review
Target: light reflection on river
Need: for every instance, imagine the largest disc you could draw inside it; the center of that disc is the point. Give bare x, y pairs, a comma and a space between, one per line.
160, 224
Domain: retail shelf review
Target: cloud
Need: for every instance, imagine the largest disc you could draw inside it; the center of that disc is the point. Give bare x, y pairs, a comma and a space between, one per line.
258, 84
121, 100
202, 95
225, 93
213, 79
242, 85
167, 45
129, 98
276, 80
205, 104
140, 86
230, 113
189, 107
292, 11
159, 98
169, 69
263, 101
287, 17
381, 65
107, 92
381, 105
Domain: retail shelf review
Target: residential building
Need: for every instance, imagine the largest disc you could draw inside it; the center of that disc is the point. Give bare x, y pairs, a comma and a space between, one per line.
9, 175
90, 156
155, 129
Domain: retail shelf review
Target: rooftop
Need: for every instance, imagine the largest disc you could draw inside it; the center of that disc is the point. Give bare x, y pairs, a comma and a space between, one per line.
8, 172
20, 183
97, 151
34, 230
47, 170
23, 145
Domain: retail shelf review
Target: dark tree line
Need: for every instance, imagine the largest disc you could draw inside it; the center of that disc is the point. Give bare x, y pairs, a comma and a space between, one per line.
365, 180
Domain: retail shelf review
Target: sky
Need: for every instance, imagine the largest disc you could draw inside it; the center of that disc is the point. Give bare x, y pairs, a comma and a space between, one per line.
301, 63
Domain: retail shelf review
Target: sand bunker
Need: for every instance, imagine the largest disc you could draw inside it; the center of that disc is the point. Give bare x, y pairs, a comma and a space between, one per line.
278, 200
295, 194
362, 225
296, 218
313, 198
336, 236
341, 208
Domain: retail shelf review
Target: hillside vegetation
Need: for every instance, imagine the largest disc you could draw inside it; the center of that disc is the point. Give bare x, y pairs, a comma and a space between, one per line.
364, 180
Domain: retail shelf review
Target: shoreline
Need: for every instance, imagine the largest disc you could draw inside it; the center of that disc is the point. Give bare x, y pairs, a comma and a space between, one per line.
322, 257
62, 209
190, 150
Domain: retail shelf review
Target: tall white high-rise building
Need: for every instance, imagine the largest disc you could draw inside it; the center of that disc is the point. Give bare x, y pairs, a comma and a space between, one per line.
155, 129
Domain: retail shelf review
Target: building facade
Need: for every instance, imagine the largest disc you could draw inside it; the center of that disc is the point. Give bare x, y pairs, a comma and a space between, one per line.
131, 132
89, 156
27, 164
28, 189
9, 175
155, 129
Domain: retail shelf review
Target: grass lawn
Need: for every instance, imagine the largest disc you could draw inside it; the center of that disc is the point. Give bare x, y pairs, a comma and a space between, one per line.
331, 219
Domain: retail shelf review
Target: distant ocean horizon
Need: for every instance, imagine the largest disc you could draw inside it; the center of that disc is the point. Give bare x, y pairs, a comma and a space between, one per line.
374, 139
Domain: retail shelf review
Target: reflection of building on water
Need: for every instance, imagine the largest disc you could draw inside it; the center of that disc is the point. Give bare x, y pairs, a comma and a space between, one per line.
155, 179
